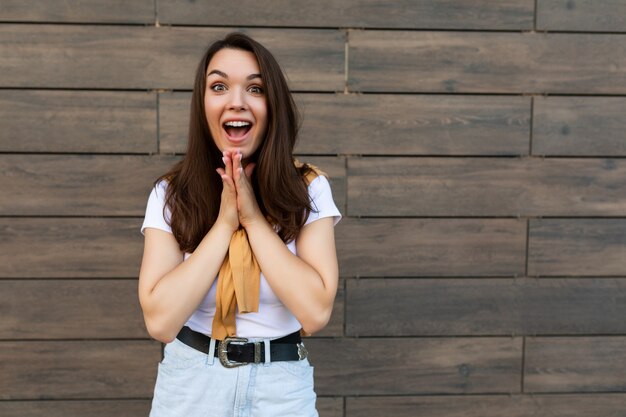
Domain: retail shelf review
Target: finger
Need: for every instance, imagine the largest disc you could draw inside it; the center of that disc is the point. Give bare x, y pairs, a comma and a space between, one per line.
228, 163
237, 165
226, 180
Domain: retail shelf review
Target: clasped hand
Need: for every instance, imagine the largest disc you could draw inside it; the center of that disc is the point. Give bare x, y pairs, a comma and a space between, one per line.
238, 204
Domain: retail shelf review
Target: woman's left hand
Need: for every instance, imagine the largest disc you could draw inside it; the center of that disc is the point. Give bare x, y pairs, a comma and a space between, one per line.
249, 211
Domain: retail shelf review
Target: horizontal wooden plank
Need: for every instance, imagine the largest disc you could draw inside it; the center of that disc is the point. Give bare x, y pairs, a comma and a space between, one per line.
75, 56
456, 187
403, 366
82, 11
70, 247
431, 247
579, 126
386, 124
78, 121
566, 405
330, 406
70, 309
486, 62
78, 369
581, 364
65, 408
477, 307
578, 247
582, 15
97, 185
450, 14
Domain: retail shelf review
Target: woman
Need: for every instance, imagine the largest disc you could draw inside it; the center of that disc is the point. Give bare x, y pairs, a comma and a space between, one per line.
220, 281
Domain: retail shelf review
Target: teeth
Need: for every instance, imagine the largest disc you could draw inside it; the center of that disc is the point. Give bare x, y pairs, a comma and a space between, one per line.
237, 124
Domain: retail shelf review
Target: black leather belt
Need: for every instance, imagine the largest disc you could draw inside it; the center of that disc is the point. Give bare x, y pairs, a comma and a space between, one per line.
236, 351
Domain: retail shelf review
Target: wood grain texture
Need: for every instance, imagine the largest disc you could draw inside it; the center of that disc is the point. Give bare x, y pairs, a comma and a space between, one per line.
329, 406
579, 126
481, 307
582, 15
431, 247
449, 14
78, 369
97, 185
386, 124
414, 124
581, 364
77, 121
458, 187
577, 247
65, 408
70, 247
70, 309
566, 405
405, 366
75, 56
82, 11
475, 62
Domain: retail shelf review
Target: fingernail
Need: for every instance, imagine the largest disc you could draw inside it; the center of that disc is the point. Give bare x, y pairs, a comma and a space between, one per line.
224, 160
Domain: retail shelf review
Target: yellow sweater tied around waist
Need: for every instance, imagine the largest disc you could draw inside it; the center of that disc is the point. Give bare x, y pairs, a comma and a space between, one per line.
239, 279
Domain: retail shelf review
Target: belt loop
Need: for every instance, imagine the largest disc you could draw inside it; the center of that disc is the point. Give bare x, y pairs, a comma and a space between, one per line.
268, 356
211, 356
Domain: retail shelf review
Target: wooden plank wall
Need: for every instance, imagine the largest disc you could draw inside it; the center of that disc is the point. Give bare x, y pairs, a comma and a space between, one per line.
476, 148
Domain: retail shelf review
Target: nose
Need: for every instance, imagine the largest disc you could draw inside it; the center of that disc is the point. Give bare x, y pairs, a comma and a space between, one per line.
237, 100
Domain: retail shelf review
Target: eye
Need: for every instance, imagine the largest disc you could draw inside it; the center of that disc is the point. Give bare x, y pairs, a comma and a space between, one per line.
218, 87
256, 89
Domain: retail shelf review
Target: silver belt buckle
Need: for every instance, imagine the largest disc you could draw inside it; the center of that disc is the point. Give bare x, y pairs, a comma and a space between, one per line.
222, 351
302, 352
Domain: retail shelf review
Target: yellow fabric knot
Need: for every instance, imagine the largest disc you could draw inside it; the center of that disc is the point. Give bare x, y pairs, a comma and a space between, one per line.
239, 280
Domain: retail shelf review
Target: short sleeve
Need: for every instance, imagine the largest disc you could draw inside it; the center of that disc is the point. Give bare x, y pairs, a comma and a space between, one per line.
154, 209
322, 201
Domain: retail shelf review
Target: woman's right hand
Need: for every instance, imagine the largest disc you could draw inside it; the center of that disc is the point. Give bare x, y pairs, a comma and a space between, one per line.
228, 206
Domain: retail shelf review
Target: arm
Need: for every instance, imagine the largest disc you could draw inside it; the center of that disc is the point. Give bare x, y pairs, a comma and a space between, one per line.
306, 284
170, 290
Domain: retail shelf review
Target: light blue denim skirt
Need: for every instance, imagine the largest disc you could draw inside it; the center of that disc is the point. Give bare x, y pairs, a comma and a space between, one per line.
191, 383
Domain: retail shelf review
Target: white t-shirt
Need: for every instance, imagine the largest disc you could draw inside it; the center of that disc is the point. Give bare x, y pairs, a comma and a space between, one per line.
273, 319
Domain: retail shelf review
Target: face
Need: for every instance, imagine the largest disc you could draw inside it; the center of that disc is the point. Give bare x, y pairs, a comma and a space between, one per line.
234, 101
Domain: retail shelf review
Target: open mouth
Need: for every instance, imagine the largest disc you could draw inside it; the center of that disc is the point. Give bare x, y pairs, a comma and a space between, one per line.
237, 130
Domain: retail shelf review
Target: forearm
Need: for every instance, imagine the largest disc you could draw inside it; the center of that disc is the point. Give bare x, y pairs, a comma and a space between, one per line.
178, 294
297, 284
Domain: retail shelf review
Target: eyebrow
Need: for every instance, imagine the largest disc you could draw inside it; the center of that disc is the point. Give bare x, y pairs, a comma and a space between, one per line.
223, 74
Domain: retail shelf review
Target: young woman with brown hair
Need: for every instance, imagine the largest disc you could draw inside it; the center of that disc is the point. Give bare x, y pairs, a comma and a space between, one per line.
239, 258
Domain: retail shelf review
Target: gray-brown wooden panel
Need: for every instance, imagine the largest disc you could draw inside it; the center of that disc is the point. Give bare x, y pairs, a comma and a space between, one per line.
329, 406
581, 126
458, 187
487, 62
435, 14
435, 247
593, 247
386, 124
64, 11
388, 366
70, 247
78, 369
581, 364
527, 306
78, 121
75, 56
94, 185
566, 405
72, 408
70, 309
582, 15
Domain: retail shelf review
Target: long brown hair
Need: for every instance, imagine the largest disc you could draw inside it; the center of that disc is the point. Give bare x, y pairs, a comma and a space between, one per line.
194, 187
